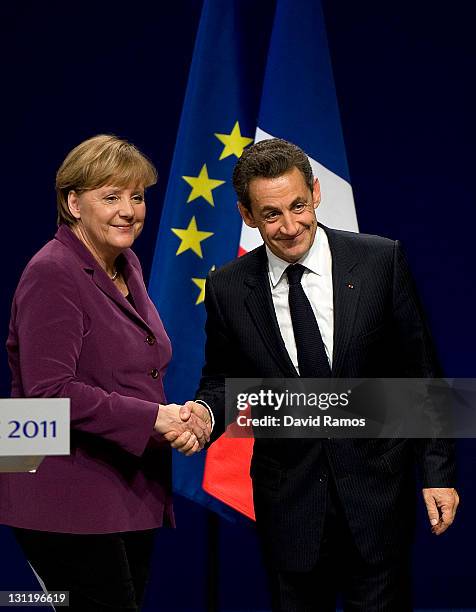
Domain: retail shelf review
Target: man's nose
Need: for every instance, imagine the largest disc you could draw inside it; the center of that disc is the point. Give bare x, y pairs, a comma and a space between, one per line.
289, 225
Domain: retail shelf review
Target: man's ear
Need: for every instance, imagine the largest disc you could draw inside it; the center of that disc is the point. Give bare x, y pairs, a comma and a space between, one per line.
247, 215
73, 204
316, 193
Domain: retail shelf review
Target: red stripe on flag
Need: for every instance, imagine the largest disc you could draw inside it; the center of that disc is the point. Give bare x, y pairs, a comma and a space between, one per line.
226, 475
227, 469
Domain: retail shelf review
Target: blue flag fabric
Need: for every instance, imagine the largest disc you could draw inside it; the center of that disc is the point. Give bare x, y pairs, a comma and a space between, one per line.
259, 69
299, 101
200, 227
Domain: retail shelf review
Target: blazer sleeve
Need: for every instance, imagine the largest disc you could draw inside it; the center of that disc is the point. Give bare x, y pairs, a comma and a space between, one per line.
218, 357
46, 335
435, 457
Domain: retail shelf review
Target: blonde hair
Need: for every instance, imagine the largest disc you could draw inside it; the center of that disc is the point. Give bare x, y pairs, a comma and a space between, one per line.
98, 161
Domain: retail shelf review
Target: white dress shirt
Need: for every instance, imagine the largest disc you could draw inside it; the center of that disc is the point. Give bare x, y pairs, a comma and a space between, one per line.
317, 284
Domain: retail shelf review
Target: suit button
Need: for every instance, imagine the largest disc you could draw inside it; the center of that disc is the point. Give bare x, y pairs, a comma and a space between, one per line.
154, 373
150, 340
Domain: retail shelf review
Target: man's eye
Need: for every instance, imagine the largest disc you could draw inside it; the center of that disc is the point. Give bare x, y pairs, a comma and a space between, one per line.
299, 206
271, 216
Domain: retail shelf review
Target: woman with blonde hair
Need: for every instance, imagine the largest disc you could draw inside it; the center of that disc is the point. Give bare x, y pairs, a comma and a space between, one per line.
83, 327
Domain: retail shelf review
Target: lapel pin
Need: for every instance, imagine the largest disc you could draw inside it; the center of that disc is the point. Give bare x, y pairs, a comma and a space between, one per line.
350, 285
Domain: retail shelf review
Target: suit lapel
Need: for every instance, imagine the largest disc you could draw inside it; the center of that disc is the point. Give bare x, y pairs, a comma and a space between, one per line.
260, 306
346, 284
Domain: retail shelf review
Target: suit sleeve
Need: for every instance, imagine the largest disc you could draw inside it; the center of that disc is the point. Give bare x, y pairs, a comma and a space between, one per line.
435, 457
49, 325
218, 360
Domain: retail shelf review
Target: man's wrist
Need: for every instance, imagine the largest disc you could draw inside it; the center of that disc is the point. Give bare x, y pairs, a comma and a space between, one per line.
205, 405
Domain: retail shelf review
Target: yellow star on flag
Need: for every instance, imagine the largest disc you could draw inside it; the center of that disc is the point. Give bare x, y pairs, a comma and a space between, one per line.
200, 282
202, 186
191, 238
234, 142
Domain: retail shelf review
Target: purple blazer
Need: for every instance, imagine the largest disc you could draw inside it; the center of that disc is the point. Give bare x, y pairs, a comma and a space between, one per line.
73, 334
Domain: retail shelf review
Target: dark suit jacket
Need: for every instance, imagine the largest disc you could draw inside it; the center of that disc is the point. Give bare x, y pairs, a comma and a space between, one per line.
379, 331
73, 334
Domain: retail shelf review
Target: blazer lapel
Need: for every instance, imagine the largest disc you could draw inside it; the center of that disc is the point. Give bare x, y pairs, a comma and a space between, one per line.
346, 284
102, 280
260, 306
135, 283
105, 284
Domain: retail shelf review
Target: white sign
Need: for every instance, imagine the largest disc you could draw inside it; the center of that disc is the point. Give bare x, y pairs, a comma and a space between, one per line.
34, 426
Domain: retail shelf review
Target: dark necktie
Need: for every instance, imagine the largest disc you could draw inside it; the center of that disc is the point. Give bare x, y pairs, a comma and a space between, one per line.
312, 358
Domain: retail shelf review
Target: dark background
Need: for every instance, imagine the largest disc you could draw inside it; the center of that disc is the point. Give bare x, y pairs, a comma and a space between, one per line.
404, 74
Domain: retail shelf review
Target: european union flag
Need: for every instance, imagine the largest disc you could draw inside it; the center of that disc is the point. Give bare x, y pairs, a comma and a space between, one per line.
200, 227
260, 70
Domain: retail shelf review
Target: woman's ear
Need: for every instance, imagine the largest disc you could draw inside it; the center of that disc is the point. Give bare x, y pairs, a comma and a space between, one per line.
73, 204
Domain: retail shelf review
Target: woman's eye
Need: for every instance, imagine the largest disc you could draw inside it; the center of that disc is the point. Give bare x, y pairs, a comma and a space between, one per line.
110, 199
138, 198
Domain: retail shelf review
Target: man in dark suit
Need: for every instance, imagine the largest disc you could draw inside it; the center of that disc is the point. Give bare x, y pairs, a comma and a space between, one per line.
333, 514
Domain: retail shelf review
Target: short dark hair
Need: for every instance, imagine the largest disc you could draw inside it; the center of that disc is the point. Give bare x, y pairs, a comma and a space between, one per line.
269, 159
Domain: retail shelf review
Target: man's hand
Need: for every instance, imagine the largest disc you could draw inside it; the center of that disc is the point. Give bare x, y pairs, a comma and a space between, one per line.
188, 435
192, 412
199, 411
441, 504
184, 427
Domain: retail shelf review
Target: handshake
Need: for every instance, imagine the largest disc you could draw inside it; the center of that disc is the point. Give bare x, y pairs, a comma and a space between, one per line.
186, 427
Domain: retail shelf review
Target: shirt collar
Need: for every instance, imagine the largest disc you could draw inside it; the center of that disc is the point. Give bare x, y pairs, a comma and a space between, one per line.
314, 260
